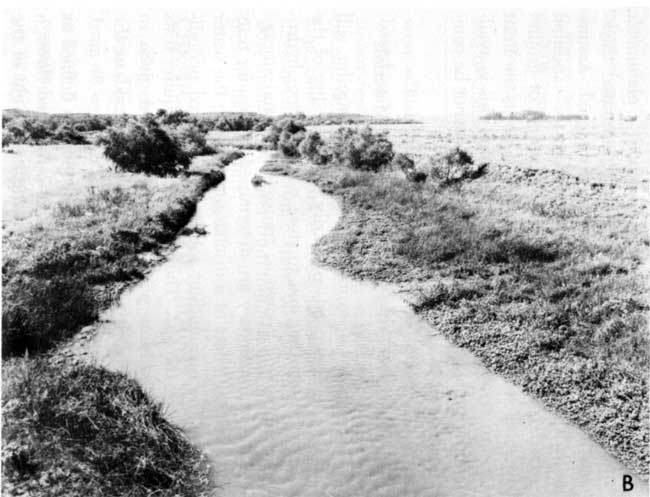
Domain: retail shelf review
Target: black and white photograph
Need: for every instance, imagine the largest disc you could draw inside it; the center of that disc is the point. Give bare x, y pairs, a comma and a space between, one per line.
325, 250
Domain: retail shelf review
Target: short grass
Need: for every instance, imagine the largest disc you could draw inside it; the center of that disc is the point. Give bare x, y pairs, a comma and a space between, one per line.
542, 276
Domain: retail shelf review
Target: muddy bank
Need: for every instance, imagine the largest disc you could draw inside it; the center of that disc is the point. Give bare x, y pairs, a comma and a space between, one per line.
480, 312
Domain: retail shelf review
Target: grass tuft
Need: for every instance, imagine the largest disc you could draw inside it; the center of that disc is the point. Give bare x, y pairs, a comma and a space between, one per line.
86, 431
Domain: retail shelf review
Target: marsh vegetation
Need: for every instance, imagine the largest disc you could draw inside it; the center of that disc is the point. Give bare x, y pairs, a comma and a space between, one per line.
542, 275
78, 224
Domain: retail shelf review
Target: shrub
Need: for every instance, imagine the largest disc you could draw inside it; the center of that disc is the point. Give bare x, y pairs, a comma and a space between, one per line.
191, 139
38, 132
143, 146
230, 156
313, 148
263, 124
258, 180
16, 131
289, 143
455, 167
416, 176
288, 127
67, 134
7, 138
403, 162
38, 312
362, 149
407, 166
174, 118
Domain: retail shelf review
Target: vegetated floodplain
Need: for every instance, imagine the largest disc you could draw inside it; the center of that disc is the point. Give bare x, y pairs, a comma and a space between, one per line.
73, 232
542, 274
76, 232
607, 152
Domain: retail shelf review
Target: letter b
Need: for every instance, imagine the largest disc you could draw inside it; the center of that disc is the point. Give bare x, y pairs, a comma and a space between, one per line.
627, 483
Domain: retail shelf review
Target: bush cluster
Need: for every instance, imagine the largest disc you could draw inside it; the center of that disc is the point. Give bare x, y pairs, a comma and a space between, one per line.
362, 149
40, 132
191, 139
314, 148
455, 167
242, 122
142, 146
285, 135
355, 148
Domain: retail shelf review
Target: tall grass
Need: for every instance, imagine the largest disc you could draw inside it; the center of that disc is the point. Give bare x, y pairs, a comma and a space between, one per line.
59, 272
80, 430
85, 431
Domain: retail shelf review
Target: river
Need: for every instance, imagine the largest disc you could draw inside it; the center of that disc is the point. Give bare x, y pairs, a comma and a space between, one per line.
298, 381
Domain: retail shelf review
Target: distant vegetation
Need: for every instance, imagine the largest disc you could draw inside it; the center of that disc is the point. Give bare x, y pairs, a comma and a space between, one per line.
355, 148
364, 150
343, 118
39, 128
162, 143
532, 115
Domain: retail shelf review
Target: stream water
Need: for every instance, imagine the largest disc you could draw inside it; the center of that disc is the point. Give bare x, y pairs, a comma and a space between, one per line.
298, 381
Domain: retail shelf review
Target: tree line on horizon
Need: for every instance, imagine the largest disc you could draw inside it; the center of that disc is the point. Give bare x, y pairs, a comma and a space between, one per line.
39, 128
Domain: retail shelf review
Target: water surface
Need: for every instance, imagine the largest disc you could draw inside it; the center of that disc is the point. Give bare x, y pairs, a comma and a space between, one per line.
298, 381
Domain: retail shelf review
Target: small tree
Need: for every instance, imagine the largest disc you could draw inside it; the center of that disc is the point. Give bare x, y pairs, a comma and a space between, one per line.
143, 146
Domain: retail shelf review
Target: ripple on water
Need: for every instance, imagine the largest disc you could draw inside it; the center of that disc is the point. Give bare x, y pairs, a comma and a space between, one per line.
301, 382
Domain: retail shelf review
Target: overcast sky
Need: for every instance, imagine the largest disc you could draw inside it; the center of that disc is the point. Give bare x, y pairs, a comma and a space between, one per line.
407, 62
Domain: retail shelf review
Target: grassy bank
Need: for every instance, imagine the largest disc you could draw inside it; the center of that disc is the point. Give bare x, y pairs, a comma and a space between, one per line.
540, 275
70, 247
86, 431
75, 234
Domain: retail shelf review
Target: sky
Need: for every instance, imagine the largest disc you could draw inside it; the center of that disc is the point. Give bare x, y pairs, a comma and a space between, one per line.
407, 62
